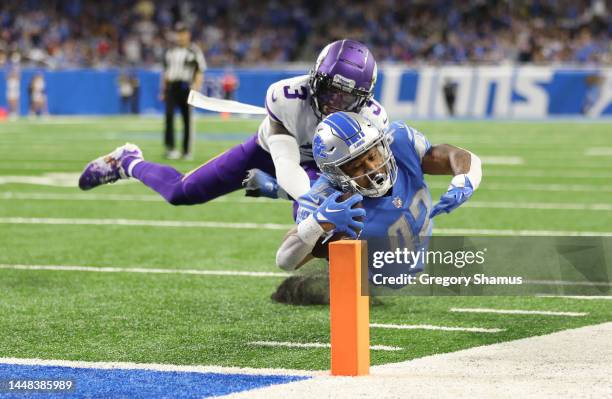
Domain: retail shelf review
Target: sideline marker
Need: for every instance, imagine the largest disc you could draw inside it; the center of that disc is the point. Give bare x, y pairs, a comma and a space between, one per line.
349, 311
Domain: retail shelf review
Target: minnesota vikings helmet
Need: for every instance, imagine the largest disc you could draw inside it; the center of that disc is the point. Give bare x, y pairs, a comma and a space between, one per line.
344, 136
343, 78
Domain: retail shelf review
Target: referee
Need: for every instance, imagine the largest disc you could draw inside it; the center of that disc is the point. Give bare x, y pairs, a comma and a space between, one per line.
184, 66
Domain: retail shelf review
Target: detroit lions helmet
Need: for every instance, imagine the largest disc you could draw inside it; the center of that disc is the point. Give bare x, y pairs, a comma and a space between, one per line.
343, 78
344, 136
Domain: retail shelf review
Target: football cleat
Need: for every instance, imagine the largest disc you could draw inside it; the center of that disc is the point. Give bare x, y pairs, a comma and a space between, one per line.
108, 168
172, 155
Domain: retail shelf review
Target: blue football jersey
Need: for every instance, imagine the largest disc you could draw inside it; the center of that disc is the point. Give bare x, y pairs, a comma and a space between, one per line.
403, 213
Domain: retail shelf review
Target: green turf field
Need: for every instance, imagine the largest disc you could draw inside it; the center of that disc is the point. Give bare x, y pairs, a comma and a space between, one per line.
538, 177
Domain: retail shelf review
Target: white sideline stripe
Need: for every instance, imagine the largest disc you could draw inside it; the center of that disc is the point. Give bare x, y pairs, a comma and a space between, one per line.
156, 367
152, 223
517, 311
598, 152
309, 345
571, 363
440, 328
96, 269
593, 297
156, 198
275, 226
502, 160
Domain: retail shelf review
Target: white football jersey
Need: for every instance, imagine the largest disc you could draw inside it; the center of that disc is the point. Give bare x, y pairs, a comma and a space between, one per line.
288, 102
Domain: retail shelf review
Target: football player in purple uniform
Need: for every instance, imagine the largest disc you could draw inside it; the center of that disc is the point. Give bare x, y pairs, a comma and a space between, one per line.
343, 79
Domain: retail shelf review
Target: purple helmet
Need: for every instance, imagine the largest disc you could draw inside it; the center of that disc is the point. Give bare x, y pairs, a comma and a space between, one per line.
343, 78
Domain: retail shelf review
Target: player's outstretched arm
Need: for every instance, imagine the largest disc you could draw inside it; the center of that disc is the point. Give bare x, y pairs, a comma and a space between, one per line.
330, 216
445, 159
285, 153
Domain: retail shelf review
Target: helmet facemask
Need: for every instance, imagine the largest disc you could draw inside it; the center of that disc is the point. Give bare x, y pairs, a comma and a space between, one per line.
379, 180
329, 95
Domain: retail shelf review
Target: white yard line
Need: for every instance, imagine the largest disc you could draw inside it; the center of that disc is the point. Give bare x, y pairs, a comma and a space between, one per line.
569, 283
275, 226
557, 174
157, 367
536, 187
533, 171
11, 195
593, 297
70, 180
502, 160
57, 179
598, 152
311, 345
501, 232
556, 206
95, 269
440, 328
141, 223
572, 363
238, 273
518, 311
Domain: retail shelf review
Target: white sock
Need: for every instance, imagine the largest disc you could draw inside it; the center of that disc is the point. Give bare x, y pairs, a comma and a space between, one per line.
130, 167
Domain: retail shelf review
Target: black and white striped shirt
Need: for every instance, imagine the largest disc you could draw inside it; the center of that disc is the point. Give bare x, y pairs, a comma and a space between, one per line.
182, 63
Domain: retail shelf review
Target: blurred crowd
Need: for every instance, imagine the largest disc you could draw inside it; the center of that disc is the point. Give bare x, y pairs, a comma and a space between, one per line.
87, 33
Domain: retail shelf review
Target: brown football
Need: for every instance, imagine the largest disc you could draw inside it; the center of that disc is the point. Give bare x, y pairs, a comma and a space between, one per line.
321, 250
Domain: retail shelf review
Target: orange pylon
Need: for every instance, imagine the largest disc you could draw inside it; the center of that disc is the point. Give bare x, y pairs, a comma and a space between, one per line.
349, 310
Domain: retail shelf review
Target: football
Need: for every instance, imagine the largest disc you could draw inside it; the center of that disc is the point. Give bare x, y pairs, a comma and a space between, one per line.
320, 249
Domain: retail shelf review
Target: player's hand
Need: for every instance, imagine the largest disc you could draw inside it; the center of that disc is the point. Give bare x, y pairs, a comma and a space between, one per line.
260, 184
341, 215
459, 191
161, 96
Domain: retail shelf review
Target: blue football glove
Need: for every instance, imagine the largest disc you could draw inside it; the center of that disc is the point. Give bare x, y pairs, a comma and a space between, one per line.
260, 184
341, 214
455, 196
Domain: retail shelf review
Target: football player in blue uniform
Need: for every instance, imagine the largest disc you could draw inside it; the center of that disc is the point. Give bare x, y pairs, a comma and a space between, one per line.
385, 172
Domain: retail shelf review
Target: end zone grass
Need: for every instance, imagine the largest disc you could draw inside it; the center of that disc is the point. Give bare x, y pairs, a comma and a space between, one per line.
183, 319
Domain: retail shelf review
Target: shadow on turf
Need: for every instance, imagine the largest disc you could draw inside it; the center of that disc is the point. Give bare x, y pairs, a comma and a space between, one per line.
310, 287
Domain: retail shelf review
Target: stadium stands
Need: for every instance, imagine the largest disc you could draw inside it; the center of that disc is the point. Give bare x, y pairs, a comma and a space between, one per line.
85, 33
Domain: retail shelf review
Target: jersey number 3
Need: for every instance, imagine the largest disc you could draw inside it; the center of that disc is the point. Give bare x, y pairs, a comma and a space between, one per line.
302, 94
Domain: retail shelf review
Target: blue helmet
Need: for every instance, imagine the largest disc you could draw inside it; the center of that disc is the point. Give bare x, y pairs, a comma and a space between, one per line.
344, 136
